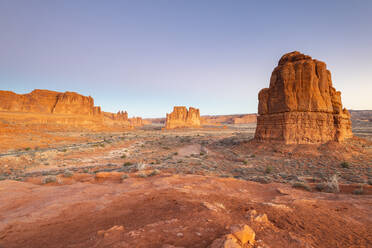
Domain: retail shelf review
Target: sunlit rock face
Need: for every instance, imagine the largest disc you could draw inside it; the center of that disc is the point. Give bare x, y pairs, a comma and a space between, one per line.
301, 106
52, 110
181, 118
48, 102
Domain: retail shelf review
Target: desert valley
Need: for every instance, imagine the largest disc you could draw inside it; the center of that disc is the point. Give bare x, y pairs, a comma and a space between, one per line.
298, 173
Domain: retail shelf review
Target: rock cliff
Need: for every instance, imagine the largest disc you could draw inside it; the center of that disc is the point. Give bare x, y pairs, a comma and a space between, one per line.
48, 102
301, 106
181, 118
59, 111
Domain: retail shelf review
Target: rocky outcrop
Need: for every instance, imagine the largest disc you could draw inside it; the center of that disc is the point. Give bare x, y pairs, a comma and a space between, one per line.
136, 121
58, 111
181, 118
240, 236
301, 106
229, 119
119, 116
48, 102
245, 119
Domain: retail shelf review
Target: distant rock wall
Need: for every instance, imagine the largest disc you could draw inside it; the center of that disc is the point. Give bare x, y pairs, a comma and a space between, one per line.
229, 119
48, 102
301, 106
56, 110
181, 118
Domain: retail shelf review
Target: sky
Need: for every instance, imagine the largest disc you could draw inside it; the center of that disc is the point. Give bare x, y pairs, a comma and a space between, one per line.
148, 56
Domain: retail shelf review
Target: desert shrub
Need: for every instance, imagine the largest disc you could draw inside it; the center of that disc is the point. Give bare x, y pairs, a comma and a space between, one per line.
68, 173
48, 179
85, 170
320, 186
64, 150
127, 164
141, 174
141, 166
176, 153
345, 165
154, 172
225, 176
253, 156
245, 162
124, 176
359, 191
370, 181
331, 186
268, 169
102, 145
123, 156
202, 153
28, 148
301, 185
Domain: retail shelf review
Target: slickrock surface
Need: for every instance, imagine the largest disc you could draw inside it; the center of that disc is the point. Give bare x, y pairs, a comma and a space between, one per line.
301, 106
181, 118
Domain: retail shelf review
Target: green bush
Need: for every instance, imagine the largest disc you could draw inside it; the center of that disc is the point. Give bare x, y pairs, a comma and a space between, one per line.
301, 185
345, 165
127, 164
268, 169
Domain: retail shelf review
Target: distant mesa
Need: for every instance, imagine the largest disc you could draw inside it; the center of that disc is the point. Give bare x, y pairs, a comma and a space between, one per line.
56, 110
229, 119
48, 102
301, 106
183, 118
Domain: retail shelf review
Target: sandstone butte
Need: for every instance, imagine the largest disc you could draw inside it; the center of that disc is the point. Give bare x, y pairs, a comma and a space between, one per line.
57, 110
183, 118
301, 106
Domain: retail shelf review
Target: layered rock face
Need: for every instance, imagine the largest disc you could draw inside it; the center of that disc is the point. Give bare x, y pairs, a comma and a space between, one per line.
301, 106
48, 102
181, 118
58, 111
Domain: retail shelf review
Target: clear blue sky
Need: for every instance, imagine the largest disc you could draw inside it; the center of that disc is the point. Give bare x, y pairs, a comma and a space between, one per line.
147, 56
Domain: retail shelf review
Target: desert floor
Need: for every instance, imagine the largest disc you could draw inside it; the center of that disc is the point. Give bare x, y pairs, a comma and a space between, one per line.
153, 188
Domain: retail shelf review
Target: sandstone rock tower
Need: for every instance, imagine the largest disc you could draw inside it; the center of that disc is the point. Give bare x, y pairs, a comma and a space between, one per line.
301, 106
181, 118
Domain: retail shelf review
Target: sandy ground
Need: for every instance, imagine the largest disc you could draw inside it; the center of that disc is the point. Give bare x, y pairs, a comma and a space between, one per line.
152, 188
186, 211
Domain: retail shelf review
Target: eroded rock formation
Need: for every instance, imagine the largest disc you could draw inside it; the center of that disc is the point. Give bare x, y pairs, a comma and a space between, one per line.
301, 106
181, 117
48, 102
58, 111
